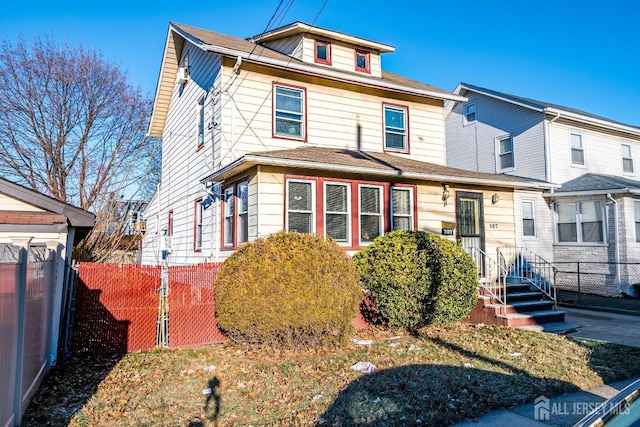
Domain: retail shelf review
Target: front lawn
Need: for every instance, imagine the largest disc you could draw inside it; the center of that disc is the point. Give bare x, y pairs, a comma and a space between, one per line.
447, 375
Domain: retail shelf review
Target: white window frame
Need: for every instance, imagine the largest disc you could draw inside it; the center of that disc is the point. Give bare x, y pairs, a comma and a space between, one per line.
584, 152
241, 212
392, 214
578, 223
198, 225
466, 113
228, 214
312, 212
636, 219
347, 185
380, 215
404, 131
201, 116
630, 157
303, 115
499, 154
534, 218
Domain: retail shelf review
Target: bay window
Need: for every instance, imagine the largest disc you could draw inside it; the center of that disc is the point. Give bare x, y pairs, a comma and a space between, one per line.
300, 202
580, 221
371, 219
337, 215
402, 208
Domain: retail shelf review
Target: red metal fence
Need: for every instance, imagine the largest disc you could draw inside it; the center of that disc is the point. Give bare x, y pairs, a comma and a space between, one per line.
117, 307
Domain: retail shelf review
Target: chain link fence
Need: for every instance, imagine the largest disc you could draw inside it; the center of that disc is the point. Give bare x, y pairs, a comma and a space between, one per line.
598, 284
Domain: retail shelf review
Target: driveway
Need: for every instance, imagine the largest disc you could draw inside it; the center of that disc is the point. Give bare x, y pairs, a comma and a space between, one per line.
601, 325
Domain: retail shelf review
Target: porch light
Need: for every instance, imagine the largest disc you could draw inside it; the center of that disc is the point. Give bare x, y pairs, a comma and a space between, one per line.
445, 193
495, 198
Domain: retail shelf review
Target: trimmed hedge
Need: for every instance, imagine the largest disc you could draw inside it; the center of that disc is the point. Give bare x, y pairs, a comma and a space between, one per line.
288, 289
416, 279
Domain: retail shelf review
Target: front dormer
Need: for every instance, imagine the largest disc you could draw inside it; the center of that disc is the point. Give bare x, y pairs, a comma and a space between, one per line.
326, 48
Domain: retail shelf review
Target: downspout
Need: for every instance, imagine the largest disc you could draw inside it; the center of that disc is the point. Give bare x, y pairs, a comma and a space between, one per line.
547, 147
615, 231
236, 71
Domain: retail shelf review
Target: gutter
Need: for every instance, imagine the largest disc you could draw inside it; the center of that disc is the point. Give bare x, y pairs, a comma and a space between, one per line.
593, 121
251, 160
593, 193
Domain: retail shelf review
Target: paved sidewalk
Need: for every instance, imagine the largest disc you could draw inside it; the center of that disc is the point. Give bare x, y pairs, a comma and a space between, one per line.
565, 411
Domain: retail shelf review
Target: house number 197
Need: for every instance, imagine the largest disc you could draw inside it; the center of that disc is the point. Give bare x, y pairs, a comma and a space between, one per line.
493, 226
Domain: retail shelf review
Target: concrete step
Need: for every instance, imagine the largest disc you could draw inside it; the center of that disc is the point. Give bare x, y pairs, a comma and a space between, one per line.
524, 296
561, 328
532, 318
522, 307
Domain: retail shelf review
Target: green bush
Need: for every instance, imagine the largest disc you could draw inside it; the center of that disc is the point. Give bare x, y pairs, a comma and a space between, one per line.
288, 289
415, 278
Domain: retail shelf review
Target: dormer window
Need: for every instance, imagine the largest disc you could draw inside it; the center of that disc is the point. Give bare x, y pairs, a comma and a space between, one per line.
322, 53
362, 61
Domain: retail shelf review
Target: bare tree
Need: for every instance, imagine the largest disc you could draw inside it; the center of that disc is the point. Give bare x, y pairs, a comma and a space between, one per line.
72, 126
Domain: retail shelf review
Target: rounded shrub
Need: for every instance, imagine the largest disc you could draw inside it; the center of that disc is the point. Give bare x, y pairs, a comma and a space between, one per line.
415, 278
288, 289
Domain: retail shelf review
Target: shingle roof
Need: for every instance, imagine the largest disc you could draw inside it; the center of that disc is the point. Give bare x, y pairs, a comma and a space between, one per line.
541, 105
384, 164
596, 182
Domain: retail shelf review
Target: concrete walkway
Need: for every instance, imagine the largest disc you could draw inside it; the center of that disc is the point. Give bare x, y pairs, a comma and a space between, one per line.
565, 411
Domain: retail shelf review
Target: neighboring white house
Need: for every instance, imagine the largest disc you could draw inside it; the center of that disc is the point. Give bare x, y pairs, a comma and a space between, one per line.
301, 129
592, 159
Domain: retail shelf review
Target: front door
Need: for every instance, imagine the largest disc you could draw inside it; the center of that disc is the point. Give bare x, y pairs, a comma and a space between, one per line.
470, 225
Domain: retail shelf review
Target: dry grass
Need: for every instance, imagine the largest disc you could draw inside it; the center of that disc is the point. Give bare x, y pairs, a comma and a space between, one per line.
446, 375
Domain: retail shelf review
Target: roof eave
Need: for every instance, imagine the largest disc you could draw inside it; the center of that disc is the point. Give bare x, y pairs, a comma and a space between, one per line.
461, 86
591, 192
593, 121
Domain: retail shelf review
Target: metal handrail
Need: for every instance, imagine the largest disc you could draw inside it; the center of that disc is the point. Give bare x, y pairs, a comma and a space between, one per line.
492, 277
530, 268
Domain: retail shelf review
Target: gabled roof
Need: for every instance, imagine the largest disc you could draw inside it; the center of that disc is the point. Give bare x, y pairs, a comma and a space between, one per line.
370, 163
249, 51
302, 28
76, 217
546, 107
591, 183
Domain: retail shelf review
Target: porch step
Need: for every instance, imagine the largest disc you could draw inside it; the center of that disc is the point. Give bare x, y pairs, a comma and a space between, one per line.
532, 318
561, 328
521, 306
523, 296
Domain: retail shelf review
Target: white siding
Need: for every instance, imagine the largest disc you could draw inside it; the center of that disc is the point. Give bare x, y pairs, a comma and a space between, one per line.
542, 243
473, 146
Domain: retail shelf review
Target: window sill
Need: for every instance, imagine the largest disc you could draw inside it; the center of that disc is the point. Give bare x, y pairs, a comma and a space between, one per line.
200, 147
574, 165
578, 244
506, 170
290, 138
395, 150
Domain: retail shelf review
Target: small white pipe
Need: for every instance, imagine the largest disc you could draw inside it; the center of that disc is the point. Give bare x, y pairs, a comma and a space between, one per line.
615, 231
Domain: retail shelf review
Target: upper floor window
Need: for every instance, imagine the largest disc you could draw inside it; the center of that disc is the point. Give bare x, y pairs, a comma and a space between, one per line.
300, 206
469, 113
289, 112
505, 154
580, 221
528, 218
577, 149
197, 225
627, 158
322, 52
396, 129
362, 61
402, 208
201, 122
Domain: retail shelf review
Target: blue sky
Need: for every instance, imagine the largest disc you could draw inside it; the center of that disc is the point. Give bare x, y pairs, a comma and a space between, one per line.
579, 54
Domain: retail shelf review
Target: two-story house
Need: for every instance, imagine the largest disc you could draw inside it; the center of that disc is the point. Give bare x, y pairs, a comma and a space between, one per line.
595, 212
301, 129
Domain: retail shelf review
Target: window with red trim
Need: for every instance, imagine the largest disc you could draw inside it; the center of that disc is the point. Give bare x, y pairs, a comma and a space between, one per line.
235, 214
289, 116
396, 128
362, 61
322, 52
197, 225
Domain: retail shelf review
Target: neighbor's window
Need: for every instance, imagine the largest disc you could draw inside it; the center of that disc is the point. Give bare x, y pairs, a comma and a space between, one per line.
636, 211
300, 206
371, 222
337, 212
469, 112
505, 153
627, 158
201, 122
401, 208
243, 211
322, 52
289, 115
362, 61
197, 225
396, 134
170, 223
528, 218
580, 221
577, 149
229, 201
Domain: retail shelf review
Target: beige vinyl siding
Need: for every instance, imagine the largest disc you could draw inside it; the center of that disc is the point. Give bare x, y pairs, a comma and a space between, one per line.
335, 117
271, 201
602, 152
183, 164
10, 204
291, 45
